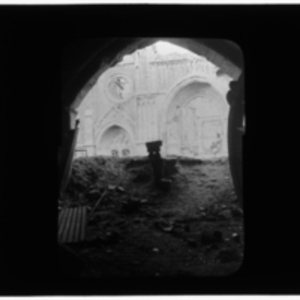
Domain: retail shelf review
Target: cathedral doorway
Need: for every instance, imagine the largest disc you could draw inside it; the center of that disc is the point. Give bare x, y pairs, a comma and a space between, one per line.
196, 122
116, 142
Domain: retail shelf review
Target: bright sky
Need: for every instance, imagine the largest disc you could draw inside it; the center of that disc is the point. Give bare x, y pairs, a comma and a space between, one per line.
166, 48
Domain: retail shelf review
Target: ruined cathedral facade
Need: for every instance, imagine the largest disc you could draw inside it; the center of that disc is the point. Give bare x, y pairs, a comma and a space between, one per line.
179, 99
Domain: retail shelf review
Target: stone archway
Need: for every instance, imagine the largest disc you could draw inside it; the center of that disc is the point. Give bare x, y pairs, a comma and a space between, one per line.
196, 121
115, 141
224, 54
116, 50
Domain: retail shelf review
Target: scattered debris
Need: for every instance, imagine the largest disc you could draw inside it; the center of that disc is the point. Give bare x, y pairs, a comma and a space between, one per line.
120, 189
196, 225
144, 200
131, 205
96, 205
151, 212
236, 237
226, 214
111, 187
164, 225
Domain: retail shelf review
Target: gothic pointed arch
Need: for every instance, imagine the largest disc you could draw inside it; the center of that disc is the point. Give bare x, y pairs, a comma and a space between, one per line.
195, 117
115, 139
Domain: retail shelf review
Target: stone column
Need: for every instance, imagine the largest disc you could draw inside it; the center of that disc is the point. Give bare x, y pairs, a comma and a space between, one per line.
235, 99
89, 143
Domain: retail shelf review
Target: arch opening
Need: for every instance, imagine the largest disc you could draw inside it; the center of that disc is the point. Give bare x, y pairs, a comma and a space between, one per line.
196, 124
141, 90
145, 96
115, 141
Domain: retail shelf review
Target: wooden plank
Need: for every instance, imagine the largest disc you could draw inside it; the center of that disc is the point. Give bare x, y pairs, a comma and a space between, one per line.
83, 217
78, 224
63, 224
67, 226
103, 194
72, 226
61, 216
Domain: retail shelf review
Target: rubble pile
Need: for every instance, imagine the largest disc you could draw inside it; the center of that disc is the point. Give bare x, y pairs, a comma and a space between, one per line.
136, 229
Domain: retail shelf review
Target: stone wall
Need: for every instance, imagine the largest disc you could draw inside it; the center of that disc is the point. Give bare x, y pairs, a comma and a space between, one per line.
177, 98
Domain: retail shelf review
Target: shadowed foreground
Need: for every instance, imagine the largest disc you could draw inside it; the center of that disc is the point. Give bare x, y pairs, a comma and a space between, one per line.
195, 229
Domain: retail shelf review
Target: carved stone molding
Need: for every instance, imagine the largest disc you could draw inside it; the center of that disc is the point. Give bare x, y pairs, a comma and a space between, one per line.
115, 115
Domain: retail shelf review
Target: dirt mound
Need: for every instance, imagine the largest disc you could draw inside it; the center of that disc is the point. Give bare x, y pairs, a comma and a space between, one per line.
195, 229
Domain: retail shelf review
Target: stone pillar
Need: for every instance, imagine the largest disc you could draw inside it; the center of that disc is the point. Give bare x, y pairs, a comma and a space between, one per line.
235, 99
89, 143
